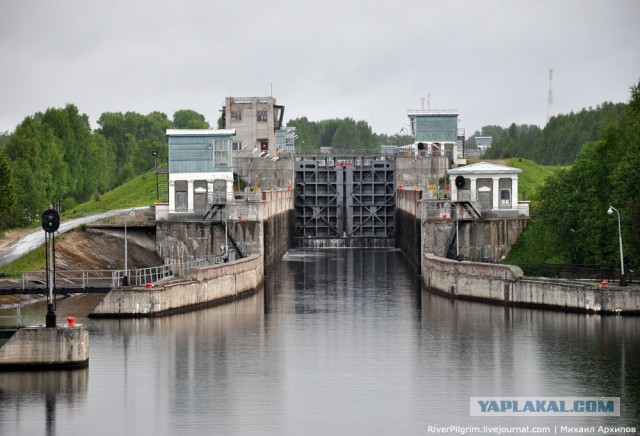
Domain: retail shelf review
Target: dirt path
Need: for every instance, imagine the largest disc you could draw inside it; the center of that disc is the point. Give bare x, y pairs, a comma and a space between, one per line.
12, 236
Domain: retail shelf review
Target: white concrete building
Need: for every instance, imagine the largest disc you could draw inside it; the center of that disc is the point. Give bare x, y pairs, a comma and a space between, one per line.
491, 188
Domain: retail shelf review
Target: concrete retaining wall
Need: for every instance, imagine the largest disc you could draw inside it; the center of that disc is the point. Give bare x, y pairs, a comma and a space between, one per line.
422, 171
480, 240
46, 348
264, 173
190, 240
201, 287
278, 218
505, 284
408, 225
195, 239
269, 239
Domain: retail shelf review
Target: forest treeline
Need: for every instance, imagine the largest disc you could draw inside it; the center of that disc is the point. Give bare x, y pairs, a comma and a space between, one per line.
569, 220
341, 134
54, 158
558, 142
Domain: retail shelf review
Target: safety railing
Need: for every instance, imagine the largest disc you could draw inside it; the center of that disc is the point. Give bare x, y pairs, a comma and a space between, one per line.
85, 279
17, 317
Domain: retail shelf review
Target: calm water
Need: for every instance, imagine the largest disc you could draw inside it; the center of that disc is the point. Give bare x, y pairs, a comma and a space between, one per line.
338, 342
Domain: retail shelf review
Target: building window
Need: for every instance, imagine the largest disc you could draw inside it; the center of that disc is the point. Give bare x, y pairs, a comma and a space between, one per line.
236, 146
236, 115
261, 116
505, 197
221, 153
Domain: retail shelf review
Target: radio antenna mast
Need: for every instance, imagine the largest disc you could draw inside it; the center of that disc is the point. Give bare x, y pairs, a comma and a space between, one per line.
550, 98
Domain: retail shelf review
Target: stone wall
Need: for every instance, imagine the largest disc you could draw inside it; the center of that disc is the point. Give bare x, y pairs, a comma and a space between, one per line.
278, 218
201, 287
195, 239
421, 172
486, 240
46, 348
505, 284
264, 173
408, 231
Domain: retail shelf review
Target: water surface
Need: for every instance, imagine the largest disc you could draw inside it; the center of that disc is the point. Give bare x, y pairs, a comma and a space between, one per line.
338, 342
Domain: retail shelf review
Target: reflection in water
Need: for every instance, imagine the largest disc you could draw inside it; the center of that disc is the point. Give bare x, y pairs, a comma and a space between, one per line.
28, 399
337, 342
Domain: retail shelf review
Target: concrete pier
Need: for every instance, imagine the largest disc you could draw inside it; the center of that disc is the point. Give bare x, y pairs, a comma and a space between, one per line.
505, 284
44, 348
202, 287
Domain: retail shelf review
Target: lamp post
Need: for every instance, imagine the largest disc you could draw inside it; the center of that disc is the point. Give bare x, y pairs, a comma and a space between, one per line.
125, 278
155, 170
623, 279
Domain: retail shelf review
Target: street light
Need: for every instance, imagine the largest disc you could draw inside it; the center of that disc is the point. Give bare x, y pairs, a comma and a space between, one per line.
623, 279
154, 153
125, 278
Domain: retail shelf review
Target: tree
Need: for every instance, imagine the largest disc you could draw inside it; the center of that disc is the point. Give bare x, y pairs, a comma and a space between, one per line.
188, 119
31, 175
133, 137
346, 136
569, 219
7, 188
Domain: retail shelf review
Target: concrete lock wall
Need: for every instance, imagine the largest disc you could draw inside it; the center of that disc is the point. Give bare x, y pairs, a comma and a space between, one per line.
201, 287
421, 172
46, 348
408, 225
196, 239
505, 284
487, 281
214, 284
190, 240
263, 173
479, 240
278, 220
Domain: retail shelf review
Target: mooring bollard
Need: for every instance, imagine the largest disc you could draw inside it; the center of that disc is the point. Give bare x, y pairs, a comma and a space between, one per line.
71, 321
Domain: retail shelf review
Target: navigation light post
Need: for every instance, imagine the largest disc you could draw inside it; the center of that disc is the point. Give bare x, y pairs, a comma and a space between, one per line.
623, 279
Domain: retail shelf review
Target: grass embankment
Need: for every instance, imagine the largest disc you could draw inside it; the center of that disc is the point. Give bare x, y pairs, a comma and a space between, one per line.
532, 176
139, 191
32, 261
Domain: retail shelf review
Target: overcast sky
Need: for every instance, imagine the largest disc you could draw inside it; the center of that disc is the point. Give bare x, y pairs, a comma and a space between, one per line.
369, 60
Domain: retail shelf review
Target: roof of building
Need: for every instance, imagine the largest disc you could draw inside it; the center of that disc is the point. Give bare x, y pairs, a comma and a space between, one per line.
201, 132
484, 168
432, 113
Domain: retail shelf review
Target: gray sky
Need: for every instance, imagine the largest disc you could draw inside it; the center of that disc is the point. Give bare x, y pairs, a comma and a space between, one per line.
369, 60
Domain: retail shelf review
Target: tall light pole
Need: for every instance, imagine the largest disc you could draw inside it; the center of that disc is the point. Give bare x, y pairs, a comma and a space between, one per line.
155, 170
125, 278
623, 279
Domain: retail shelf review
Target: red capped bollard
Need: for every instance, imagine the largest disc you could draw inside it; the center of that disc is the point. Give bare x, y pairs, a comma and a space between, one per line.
71, 321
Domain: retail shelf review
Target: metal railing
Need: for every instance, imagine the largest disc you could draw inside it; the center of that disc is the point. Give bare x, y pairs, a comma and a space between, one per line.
248, 210
575, 272
437, 204
86, 279
17, 317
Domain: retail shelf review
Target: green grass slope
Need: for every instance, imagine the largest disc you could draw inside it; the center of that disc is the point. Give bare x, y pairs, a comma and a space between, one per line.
139, 191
